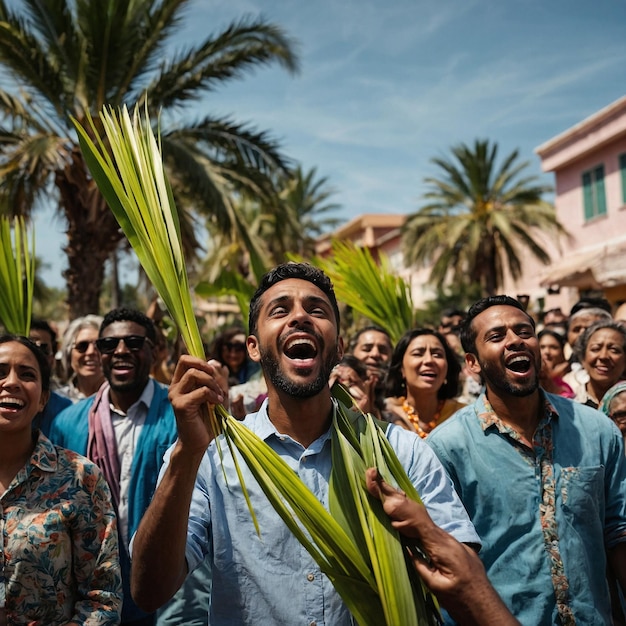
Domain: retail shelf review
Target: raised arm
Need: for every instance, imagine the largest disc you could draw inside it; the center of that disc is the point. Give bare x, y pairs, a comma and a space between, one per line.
454, 572
158, 554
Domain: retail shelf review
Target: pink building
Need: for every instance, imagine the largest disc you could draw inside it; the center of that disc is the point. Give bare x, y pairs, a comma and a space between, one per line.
381, 233
589, 164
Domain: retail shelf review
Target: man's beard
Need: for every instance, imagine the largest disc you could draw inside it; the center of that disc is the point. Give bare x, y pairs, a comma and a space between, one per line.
498, 381
280, 380
126, 387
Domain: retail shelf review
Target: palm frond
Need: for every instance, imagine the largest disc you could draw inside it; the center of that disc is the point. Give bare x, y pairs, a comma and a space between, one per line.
129, 172
17, 275
369, 287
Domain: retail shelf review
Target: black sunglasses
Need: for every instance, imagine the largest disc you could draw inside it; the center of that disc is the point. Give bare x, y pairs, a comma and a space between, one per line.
108, 345
83, 346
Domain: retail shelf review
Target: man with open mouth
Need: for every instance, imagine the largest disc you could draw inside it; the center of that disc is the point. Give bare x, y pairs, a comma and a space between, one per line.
542, 477
125, 428
198, 508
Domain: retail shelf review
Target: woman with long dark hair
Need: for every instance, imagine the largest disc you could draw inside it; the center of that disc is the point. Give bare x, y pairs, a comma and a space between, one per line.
423, 381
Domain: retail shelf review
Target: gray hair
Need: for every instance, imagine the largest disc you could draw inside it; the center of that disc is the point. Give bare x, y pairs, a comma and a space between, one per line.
582, 342
69, 337
598, 313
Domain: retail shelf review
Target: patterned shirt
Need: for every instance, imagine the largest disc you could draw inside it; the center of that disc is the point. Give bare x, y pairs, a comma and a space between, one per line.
545, 514
59, 554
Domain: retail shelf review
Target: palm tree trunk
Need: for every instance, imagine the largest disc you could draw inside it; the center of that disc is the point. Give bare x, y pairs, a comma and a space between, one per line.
92, 234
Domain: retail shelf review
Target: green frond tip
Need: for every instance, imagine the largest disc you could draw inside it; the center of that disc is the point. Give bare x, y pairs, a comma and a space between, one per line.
127, 165
17, 275
361, 558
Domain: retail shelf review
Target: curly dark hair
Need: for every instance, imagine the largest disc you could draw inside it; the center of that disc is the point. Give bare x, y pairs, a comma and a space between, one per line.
468, 333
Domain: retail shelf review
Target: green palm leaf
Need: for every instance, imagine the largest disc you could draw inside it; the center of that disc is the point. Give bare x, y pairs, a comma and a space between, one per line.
17, 275
404, 598
369, 287
361, 562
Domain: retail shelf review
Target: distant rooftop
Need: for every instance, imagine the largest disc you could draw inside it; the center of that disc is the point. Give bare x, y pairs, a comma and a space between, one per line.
592, 133
369, 230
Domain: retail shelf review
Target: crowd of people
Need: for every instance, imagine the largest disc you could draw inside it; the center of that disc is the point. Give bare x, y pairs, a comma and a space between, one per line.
118, 506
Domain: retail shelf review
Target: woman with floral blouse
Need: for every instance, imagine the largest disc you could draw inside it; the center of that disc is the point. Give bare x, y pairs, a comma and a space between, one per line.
59, 554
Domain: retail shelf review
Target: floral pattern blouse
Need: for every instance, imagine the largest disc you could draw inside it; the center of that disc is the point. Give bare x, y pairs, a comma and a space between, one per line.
59, 561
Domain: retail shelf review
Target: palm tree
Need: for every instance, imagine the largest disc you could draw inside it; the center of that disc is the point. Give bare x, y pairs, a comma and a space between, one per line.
288, 223
305, 201
64, 58
480, 218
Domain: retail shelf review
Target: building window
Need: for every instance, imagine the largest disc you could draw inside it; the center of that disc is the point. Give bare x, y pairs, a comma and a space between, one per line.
622, 169
594, 198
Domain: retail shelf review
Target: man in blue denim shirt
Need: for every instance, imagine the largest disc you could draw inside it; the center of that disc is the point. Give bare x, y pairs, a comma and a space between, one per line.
198, 508
542, 478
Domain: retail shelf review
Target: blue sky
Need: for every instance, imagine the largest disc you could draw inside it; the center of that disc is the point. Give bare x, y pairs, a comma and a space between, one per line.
385, 85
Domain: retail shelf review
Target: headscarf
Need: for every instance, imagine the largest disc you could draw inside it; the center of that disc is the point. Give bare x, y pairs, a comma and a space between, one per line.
609, 396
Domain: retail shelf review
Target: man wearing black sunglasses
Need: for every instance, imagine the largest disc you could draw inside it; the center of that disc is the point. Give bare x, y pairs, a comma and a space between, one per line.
125, 429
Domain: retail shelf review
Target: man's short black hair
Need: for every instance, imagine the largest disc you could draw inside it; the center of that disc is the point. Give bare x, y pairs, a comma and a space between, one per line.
591, 303
129, 315
468, 334
371, 327
37, 324
285, 271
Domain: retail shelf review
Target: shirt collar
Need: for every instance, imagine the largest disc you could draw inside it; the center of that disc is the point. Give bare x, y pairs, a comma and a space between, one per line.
489, 419
44, 455
145, 398
261, 424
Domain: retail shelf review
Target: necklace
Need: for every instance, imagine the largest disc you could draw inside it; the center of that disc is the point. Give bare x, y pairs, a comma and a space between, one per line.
414, 418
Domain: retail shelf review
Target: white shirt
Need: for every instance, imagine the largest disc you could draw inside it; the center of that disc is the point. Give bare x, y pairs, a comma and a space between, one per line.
127, 428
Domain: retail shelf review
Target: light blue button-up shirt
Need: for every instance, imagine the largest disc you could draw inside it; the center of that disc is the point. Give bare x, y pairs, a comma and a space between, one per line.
272, 579
545, 515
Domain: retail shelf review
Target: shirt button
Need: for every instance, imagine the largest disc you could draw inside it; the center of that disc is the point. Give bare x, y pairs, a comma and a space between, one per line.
310, 578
